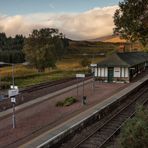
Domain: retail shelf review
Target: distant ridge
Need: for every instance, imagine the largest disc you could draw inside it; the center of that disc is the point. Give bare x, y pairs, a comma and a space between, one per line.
102, 39
109, 38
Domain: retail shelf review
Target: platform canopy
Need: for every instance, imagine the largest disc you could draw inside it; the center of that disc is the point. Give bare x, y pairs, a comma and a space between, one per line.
126, 59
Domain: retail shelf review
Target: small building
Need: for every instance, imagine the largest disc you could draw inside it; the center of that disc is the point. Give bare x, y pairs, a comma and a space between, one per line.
121, 67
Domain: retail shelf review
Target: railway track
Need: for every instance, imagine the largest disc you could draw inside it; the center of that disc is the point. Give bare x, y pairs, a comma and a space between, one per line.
39, 90
100, 133
45, 85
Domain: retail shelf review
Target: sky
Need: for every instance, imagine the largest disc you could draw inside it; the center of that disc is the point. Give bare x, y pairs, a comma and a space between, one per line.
77, 19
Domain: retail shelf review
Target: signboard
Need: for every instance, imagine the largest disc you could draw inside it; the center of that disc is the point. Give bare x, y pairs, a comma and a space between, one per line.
13, 87
93, 65
13, 92
80, 75
13, 100
133, 68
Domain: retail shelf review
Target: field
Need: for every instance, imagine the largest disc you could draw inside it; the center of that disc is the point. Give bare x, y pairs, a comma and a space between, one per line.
26, 76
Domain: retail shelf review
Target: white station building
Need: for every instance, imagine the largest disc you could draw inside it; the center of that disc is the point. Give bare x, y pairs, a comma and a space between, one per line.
120, 67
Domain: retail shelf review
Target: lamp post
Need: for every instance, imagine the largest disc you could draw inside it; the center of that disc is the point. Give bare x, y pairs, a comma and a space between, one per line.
12, 93
83, 77
13, 100
93, 66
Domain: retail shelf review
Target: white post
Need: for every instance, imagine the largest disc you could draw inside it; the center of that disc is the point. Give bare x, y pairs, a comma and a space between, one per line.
13, 117
77, 87
83, 87
93, 82
13, 75
83, 77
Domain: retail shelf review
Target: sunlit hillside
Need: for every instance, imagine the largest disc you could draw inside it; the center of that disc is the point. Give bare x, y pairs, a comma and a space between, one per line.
115, 39
110, 38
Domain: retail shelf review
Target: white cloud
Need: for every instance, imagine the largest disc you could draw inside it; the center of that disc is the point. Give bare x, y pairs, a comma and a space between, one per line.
90, 24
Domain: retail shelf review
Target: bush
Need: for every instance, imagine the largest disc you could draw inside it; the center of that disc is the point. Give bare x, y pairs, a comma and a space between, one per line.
67, 102
134, 134
85, 62
4, 85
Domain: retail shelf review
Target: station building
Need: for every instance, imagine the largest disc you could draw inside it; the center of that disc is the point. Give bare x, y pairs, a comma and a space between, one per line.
121, 67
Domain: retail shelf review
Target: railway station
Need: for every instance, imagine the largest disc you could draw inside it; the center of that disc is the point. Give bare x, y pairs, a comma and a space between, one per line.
40, 123
74, 74
56, 136
121, 67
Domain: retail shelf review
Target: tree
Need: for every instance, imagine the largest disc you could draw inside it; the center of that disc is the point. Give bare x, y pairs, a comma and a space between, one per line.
42, 48
11, 48
85, 62
131, 20
135, 132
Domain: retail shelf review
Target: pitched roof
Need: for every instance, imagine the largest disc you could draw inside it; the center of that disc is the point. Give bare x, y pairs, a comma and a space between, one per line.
126, 59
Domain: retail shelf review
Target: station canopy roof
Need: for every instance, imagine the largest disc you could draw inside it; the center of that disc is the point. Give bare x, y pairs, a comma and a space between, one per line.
125, 59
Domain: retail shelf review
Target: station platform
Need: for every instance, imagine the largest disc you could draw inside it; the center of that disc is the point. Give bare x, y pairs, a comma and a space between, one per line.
43, 98
57, 133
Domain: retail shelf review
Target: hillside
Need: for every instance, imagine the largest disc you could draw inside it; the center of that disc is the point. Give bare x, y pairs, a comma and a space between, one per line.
90, 47
115, 39
110, 38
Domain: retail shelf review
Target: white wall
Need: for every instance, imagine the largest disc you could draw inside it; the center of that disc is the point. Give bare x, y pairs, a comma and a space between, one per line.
124, 72
106, 72
101, 72
96, 72
117, 72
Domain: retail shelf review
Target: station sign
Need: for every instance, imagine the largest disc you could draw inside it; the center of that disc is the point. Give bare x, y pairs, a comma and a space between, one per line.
93, 65
80, 75
13, 100
13, 91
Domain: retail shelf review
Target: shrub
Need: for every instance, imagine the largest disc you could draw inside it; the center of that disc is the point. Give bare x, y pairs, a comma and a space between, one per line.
4, 85
67, 102
134, 134
85, 62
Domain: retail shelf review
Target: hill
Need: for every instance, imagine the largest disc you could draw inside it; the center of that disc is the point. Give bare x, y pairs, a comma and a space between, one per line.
110, 38
115, 39
90, 47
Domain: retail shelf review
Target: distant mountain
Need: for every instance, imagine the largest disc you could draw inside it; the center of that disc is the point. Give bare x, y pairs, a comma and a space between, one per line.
109, 38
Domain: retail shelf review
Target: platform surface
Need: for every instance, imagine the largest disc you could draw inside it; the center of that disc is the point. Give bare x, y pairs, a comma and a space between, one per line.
59, 130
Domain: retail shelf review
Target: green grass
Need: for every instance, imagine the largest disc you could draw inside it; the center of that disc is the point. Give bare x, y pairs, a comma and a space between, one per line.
24, 82
27, 76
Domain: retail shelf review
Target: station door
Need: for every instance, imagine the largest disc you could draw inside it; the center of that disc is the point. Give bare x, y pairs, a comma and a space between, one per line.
110, 74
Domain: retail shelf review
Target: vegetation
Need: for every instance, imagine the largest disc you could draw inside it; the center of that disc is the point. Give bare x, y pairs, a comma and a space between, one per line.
43, 47
26, 75
51, 56
135, 132
131, 21
11, 48
67, 102
85, 62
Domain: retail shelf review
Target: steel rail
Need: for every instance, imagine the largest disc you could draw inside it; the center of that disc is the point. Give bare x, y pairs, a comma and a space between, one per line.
97, 129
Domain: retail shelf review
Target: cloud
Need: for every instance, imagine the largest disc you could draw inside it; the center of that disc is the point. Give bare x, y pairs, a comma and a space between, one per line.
93, 23
51, 6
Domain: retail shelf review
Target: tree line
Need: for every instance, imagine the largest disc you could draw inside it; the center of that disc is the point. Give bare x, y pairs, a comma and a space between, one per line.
41, 49
11, 49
